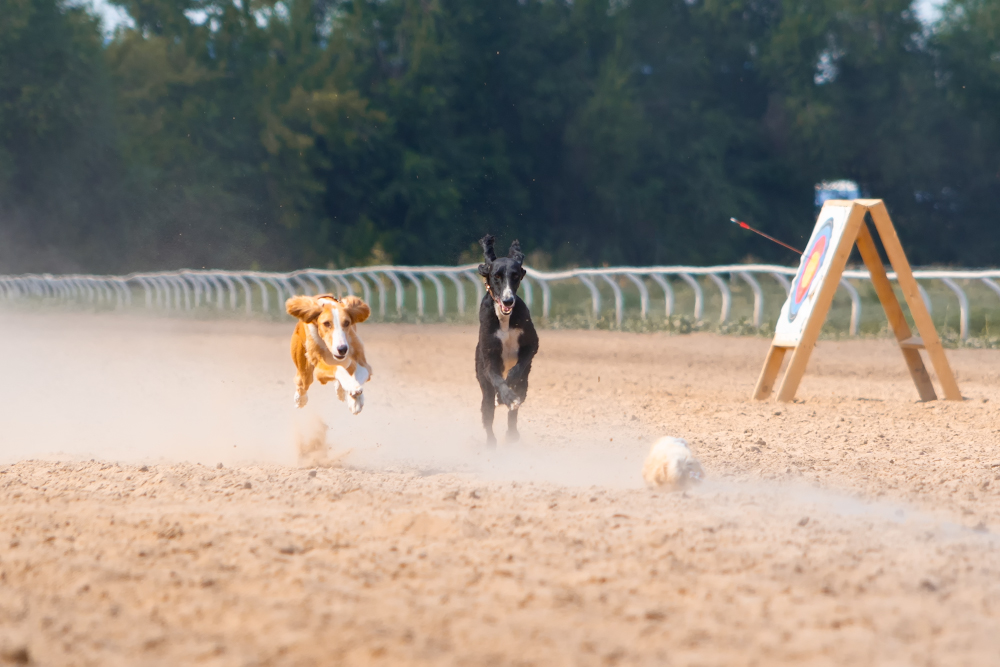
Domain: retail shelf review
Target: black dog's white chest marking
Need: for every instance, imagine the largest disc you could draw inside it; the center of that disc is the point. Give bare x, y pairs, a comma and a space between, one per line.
510, 340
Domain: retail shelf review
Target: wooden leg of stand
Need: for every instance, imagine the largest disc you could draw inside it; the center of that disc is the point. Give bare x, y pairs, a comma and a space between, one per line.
894, 313
796, 369
765, 383
911, 291
919, 374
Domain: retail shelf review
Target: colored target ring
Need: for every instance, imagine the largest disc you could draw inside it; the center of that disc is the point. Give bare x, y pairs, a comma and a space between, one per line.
812, 263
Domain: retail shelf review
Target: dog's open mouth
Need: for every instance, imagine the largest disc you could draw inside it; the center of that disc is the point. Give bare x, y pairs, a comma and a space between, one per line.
506, 310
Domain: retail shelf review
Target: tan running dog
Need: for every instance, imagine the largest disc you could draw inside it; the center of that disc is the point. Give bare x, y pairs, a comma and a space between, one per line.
326, 347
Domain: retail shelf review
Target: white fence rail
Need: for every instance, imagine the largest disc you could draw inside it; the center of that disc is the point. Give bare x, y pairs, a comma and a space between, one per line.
232, 290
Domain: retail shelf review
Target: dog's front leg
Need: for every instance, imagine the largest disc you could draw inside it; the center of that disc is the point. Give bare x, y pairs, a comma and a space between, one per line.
512, 433
507, 395
303, 379
517, 378
352, 385
488, 409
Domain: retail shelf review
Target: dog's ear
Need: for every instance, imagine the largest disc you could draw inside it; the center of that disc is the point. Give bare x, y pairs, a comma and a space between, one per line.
356, 308
487, 243
515, 252
306, 308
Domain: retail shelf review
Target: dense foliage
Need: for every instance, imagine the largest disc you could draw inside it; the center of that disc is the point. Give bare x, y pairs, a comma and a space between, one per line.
280, 134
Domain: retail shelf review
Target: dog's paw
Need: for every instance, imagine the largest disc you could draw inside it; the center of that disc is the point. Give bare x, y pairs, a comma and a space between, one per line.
301, 400
356, 403
508, 397
350, 386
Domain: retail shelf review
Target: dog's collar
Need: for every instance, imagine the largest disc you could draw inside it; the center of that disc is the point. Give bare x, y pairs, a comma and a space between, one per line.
489, 290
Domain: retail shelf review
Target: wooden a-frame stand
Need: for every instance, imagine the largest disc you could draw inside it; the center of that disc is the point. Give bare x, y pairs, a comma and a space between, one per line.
857, 231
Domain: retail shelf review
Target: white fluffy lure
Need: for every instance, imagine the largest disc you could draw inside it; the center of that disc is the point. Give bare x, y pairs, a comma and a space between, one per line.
671, 465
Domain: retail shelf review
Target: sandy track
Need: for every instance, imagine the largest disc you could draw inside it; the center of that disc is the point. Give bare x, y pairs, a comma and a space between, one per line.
854, 527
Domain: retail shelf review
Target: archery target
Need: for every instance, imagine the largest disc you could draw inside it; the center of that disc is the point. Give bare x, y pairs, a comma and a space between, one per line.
812, 261
813, 269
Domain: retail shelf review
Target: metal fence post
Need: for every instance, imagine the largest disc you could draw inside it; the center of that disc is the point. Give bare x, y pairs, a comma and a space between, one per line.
595, 296
643, 294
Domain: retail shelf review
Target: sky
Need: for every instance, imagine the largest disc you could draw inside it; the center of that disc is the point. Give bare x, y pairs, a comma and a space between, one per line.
927, 10
111, 16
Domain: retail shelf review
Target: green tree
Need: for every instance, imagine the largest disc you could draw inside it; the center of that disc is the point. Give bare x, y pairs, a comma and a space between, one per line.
963, 202
278, 134
58, 161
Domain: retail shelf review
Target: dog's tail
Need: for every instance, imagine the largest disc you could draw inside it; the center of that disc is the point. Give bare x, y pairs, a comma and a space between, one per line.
487, 243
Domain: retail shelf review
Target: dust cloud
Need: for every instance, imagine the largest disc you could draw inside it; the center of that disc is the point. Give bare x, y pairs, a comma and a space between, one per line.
131, 389
134, 389
141, 390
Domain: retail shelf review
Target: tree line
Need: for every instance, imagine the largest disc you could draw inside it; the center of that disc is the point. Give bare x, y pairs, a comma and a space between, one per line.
277, 134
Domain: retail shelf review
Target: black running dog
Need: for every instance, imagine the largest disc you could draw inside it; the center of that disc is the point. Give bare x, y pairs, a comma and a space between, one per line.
507, 338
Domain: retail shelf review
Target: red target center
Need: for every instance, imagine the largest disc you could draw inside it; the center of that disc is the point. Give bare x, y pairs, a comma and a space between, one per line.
812, 266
